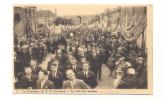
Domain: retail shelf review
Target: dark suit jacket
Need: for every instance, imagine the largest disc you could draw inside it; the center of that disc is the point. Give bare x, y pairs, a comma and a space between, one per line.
78, 56
128, 82
52, 45
48, 67
79, 84
140, 69
25, 58
36, 70
34, 53
39, 52
29, 82
142, 80
78, 68
49, 46
55, 45
95, 62
61, 59
19, 85
90, 79
57, 81
17, 67
48, 85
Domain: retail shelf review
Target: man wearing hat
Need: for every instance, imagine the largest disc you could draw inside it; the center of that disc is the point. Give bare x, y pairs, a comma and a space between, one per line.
140, 67
141, 70
56, 76
25, 57
129, 81
96, 63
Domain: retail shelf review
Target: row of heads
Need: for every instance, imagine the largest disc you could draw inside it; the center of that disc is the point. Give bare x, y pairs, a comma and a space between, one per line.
43, 74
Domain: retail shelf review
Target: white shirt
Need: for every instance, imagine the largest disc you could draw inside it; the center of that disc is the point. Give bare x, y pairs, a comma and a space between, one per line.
86, 73
42, 83
117, 81
54, 74
34, 67
29, 77
74, 67
94, 55
72, 84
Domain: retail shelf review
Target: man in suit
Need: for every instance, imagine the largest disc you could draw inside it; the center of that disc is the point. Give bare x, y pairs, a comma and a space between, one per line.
74, 51
50, 62
25, 57
82, 60
39, 52
96, 63
29, 80
55, 61
35, 67
52, 45
140, 67
60, 57
73, 83
56, 76
74, 66
43, 82
17, 67
87, 76
33, 53
111, 64
141, 70
55, 44
49, 45
19, 83
129, 81
80, 53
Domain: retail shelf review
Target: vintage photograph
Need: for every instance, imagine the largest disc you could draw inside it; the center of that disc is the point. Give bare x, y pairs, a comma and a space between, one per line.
82, 49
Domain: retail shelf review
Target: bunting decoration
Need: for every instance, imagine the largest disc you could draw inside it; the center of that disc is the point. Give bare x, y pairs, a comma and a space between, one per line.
113, 21
133, 21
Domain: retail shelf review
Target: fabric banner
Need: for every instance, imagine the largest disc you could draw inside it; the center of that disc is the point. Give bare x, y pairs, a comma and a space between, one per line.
133, 22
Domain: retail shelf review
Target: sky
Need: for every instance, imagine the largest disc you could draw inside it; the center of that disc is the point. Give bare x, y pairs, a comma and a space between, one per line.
69, 10
76, 9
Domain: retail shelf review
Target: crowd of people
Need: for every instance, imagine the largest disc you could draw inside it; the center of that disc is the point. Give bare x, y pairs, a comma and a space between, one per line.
76, 59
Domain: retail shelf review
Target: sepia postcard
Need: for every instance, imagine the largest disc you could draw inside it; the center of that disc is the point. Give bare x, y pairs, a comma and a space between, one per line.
82, 49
